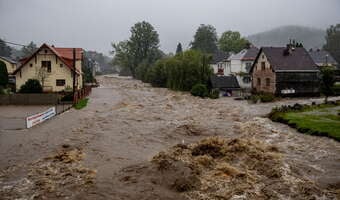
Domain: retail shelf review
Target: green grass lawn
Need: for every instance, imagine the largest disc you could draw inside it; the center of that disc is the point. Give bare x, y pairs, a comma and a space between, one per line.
81, 104
321, 121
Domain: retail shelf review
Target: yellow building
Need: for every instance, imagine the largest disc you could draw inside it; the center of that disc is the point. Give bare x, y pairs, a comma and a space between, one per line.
10, 64
53, 67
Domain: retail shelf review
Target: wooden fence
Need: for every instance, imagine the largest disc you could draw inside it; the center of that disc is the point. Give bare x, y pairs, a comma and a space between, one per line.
81, 94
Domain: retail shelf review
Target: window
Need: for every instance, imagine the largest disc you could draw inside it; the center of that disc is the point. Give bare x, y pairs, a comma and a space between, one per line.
263, 66
248, 66
267, 81
31, 65
61, 65
262, 56
246, 79
259, 81
60, 82
45, 51
46, 64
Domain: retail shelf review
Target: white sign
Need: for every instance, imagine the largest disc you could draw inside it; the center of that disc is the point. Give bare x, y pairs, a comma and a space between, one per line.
40, 117
288, 91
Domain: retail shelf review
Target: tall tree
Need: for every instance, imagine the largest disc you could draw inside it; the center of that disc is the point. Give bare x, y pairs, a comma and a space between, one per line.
122, 57
327, 81
5, 50
179, 49
142, 47
333, 41
205, 39
232, 41
28, 49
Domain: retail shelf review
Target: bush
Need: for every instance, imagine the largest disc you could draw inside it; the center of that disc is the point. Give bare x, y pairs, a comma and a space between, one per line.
157, 75
199, 90
267, 98
215, 94
81, 104
264, 98
254, 98
31, 86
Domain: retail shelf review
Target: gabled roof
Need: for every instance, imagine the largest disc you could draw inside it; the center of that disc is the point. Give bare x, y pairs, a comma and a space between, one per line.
245, 54
227, 82
251, 54
8, 59
64, 54
297, 60
219, 56
321, 57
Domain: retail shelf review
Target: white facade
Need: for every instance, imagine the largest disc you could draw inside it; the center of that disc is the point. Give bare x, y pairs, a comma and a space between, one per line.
239, 66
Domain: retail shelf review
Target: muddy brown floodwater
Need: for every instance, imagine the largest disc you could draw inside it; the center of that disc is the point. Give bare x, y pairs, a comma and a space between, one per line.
137, 142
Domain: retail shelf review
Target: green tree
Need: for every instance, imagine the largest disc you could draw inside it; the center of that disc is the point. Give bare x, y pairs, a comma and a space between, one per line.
31, 86
157, 74
28, 49
5, 50
187, 69
3, 75
333, 41
123, 57
327, 81
232, 41
140, 50
205, 39
143, 44
179, 49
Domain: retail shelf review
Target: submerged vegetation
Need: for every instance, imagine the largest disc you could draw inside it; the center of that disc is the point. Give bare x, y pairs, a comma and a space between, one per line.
81, 104
321, 120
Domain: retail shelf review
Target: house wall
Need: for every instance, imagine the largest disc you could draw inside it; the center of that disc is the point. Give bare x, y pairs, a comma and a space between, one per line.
30, 71
303, 83
237, 67
10, 66
260, 74
217, 65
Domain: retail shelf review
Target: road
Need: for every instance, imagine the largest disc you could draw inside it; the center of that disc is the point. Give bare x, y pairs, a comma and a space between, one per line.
80, 154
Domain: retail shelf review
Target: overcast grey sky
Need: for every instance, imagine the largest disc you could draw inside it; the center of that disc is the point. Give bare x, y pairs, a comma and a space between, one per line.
94, 24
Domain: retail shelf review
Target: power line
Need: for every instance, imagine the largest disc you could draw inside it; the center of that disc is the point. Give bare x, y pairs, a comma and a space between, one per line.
12, 43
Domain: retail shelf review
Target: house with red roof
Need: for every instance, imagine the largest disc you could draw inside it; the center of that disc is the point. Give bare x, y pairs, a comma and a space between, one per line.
54, 67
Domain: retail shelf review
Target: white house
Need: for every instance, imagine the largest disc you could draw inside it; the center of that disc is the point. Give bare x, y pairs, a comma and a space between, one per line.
239, 65
218, 63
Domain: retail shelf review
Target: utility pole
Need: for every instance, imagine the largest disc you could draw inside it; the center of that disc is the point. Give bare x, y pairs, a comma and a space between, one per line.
74, 75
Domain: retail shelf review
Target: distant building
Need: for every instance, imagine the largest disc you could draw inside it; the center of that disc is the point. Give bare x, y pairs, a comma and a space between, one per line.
322, 58
53, 66
218, 63
226, 84
239, 65
11, 66
285, 71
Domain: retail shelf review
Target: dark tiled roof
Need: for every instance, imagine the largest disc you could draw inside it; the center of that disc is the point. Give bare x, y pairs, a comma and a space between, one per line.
321, 57
228, 82
298, 59
8, 59
219, 56
251, 54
